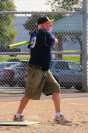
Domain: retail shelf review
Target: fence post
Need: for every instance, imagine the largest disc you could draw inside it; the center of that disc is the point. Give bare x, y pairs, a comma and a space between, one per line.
85, 47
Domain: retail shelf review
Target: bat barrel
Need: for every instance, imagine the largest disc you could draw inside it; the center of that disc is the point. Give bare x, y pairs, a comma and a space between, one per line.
18, 44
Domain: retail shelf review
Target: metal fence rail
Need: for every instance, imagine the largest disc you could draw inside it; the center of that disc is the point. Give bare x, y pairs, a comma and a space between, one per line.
53, 52
39, 12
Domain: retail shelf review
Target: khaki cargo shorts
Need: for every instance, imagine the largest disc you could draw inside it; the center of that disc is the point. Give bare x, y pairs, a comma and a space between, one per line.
39, 81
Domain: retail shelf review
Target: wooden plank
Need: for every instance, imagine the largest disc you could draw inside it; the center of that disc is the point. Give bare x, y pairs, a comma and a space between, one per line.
20, 123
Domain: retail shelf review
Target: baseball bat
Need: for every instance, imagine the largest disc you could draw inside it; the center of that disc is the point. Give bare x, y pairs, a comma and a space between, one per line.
18, 44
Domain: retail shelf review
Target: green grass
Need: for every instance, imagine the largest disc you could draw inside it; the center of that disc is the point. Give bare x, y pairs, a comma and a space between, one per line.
7, 57
72, 58
26, 57
71, 51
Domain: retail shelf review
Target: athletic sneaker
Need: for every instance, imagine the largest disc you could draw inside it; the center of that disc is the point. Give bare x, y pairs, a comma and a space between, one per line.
61, 119
20, 118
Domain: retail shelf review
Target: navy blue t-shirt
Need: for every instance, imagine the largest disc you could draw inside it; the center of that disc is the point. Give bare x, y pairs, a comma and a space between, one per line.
42, 41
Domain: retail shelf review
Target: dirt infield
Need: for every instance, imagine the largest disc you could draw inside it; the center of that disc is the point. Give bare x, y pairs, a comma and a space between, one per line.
74, 106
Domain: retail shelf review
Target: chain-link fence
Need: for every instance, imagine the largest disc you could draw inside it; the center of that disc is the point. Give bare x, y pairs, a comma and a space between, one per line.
66, 64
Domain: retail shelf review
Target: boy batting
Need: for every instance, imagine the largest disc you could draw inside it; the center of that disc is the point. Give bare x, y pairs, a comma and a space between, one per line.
40, 79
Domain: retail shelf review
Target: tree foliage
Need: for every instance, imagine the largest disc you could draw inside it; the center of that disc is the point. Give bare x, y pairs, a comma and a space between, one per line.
7, 33
62, 4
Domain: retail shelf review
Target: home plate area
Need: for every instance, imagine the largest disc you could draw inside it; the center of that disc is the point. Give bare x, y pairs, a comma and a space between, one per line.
20, 123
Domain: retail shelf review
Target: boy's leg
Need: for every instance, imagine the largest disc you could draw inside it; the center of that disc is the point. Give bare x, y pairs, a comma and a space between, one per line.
56, 101
18, 116
54, 89
23, 104
31, 91
59, 117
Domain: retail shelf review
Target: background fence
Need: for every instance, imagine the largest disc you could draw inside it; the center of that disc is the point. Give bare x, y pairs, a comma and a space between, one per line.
67, 58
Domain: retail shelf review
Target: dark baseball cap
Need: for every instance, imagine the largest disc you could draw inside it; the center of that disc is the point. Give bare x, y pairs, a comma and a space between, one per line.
44, 19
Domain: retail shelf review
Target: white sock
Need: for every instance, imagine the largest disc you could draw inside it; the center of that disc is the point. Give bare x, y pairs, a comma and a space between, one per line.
18, 115
58, 114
